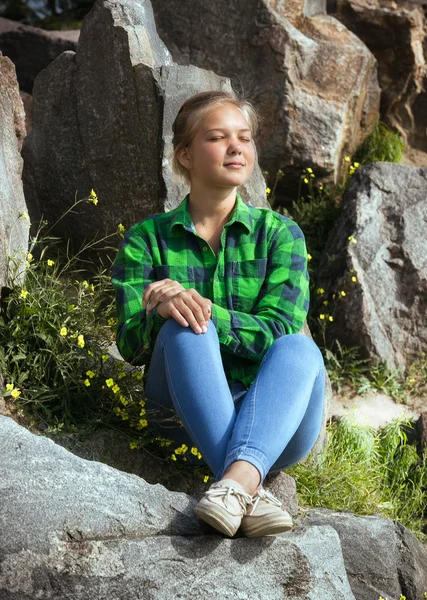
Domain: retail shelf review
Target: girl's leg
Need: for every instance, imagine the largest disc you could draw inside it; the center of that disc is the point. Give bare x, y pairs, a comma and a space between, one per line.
289, 386
186, 371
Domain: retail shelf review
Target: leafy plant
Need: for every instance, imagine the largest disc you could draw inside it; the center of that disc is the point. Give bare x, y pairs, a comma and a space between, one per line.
383, 144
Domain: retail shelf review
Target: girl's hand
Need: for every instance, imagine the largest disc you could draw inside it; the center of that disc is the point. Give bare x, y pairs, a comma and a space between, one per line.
187, 307
158, 291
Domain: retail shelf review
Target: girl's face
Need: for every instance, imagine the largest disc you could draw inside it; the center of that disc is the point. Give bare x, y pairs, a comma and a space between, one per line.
221, 154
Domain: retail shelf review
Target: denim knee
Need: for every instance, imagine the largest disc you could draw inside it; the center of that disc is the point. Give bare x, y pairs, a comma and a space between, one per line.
302, 346
172, 328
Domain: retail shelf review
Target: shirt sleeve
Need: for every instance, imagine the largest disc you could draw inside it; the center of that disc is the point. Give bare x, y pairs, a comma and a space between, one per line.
131, 273
283, 307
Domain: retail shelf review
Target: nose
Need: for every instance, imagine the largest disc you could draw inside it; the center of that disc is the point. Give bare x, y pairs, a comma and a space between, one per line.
234, 147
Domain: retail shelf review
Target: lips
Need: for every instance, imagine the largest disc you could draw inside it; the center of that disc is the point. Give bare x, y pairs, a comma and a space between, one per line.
234, 164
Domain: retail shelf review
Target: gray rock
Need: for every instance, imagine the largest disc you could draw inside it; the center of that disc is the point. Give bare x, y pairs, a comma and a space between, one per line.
31, 49
313, 81
382, 558
14, 223
385, 311
71, 528
102, 119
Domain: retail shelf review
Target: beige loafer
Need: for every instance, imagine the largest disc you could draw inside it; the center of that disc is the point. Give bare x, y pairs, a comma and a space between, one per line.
265, 516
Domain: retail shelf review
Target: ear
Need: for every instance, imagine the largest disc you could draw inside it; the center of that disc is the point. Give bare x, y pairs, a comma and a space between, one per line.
184, 157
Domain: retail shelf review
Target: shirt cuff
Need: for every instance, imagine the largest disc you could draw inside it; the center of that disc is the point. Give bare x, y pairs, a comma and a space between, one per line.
221, 318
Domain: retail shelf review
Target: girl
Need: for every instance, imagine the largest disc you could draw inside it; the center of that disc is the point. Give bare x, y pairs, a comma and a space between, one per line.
211, 296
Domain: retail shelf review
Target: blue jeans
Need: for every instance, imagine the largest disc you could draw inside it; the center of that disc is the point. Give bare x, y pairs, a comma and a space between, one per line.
272, 425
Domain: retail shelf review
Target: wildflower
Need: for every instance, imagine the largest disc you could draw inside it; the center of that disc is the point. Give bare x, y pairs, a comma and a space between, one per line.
412, 380
331, 318
309, 257
206, 478
139, 375
268, 191
63, 331
320, 291
121, 375
143, 422
90, 352
81, 341
109, 382
326, 302
312, 175
322, 316
343, 293
85, 284
178, 450
321, 186
305, 180
142, 413
50, 263
115, 389
356, 165
15, 393
90, 374
354, 279
347, 159
133, 445
352, 239
29, 257
309, 170
121, 228
93, 197
24, 215
173, 457
141, 402
199, 456
87, 382
24, 294
9, 387
194, 451
351, 170
123, 400
111, 321
104, 357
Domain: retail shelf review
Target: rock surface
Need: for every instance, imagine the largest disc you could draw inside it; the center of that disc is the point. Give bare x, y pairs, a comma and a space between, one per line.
313, 81
14, 228
396, 33
31, 49
102, 119
80, 529
385, 310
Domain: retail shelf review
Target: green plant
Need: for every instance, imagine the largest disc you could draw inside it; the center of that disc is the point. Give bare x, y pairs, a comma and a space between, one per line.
383, 144
367, 471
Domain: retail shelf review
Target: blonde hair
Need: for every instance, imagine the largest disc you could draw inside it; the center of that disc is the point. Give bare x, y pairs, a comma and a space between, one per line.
192, 113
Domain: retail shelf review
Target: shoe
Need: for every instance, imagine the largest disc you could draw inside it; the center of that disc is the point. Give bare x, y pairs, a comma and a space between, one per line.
265, 516
223, 506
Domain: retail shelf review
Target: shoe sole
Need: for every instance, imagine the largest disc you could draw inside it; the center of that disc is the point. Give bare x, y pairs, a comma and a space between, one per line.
214, 519
272, 527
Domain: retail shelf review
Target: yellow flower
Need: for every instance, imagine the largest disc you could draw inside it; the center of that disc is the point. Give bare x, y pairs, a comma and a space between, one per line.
133, 445
309, 257
24, 294
87, 382
305, 180
178, 450
320, 291
139, 375
321, 186
312, 175
412, 380
121, 375
356, 165
142, 413
104, 357
347, 159
194, 451
81, 341
322, 316
309, 170
141, 403
173, 457
93, 197
115, 389
326, 302
331, 318
50, 263
63, 332
15, 393
343, 293
92, 288
109, 382
352, 239
29, 257
111, 321
121, 228
24, 215
354, 279
123, 400
268, 191
90, 374
143, 422
199, 456
85, 283
90, 352
206, 478
9, 387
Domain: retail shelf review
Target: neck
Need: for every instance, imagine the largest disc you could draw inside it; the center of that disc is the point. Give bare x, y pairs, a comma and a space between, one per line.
211, 209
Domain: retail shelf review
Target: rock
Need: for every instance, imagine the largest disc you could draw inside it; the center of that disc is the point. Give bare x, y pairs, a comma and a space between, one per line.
284, 488
421, 432
396, 33
384, 311
382, 558
102, 119
313, 81
14, 225
75, 528
32, 49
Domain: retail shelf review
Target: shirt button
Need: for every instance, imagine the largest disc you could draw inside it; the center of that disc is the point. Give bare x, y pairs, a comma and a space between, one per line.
205, 248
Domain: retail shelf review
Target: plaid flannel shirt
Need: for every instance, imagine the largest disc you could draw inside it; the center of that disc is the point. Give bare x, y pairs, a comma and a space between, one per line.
258, 284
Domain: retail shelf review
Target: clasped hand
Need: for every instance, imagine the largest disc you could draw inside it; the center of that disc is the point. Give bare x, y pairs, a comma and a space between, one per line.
187, 307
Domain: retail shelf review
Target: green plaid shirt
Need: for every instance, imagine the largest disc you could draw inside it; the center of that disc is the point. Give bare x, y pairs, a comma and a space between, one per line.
259, 284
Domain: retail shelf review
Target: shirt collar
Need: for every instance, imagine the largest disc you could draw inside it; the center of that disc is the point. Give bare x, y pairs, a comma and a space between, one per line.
241, 213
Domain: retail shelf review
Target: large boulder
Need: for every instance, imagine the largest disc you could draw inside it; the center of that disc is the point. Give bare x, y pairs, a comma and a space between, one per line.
379, 240
396, 33
31, 49
314, 82
102, 119
75, 528
14, 223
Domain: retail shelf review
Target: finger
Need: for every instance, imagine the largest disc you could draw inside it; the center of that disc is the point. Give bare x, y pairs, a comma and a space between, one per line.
178, 316
160, 295
192, 312
152, 287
